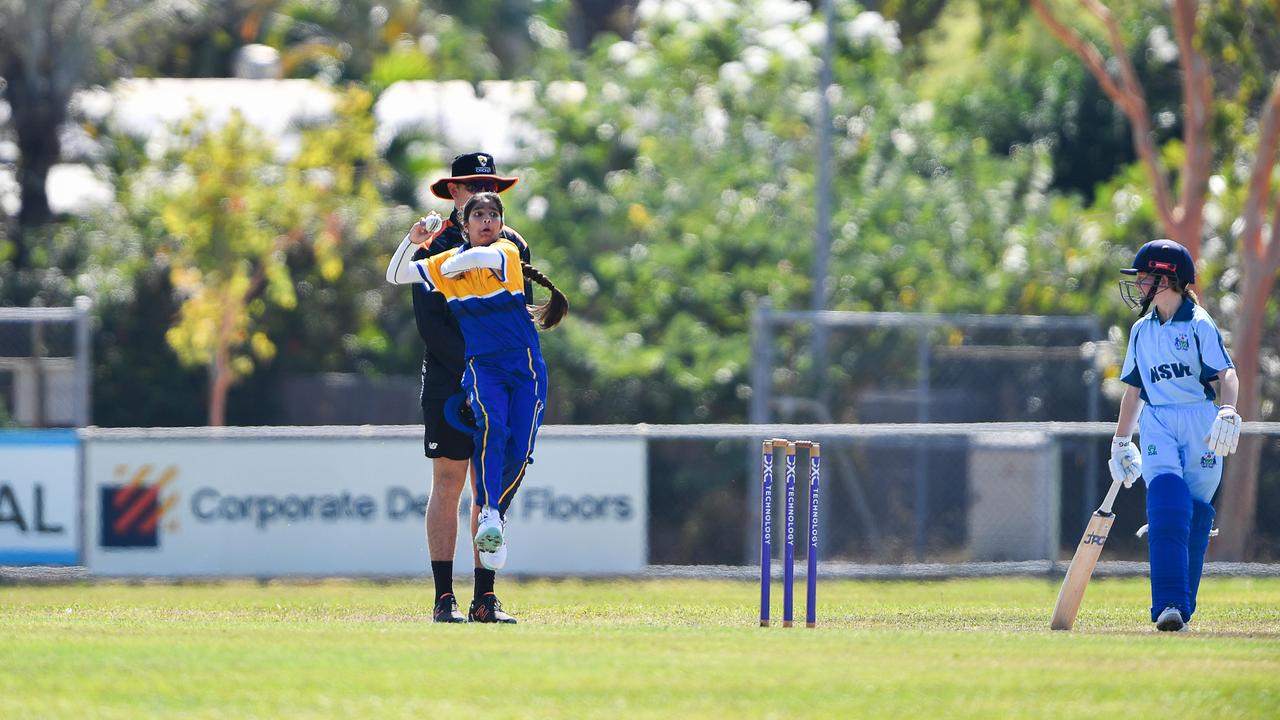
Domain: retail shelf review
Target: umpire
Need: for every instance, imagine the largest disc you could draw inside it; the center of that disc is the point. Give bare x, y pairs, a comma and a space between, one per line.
449, 447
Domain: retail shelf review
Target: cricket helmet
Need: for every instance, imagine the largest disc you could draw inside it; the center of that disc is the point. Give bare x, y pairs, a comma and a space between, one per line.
1164, 257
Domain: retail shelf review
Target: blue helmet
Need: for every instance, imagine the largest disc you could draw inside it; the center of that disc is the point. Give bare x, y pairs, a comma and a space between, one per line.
1164, 257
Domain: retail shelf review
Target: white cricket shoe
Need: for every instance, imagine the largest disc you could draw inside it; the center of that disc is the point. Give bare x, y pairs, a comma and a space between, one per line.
489, 530
1170, 620
495, 560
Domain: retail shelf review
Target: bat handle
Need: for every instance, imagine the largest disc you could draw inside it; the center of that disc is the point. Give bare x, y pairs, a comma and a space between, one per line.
1109, 500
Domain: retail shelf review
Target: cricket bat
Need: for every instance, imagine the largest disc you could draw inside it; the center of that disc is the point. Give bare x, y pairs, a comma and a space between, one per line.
1086, 558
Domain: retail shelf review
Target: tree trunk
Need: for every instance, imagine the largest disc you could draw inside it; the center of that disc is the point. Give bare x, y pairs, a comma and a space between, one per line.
38, 151
1259, 258
38, 112
220, 377
219, 385
1238, 503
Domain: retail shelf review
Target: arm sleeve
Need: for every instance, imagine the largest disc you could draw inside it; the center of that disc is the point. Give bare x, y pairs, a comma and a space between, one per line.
403, 271
481, 257
1129, 373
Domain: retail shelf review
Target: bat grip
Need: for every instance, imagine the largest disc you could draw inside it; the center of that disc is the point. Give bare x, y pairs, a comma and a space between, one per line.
1109, 500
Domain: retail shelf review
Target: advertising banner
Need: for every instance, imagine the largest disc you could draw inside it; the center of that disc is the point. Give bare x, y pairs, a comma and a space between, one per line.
347, 506
39, 497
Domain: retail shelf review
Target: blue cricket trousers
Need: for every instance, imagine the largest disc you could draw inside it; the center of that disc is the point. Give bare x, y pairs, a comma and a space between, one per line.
508, 394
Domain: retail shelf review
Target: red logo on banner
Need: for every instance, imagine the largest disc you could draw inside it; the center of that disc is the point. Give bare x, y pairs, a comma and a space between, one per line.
131, 513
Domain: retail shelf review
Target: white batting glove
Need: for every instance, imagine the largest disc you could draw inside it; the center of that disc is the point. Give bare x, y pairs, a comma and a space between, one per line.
1224, 433
1126, 462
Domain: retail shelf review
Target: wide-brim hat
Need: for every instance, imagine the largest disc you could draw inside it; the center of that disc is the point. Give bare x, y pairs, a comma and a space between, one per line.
471, 166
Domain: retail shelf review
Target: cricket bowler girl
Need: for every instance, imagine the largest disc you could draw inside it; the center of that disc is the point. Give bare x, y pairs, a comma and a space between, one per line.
505, 378
447, 444
1175, 352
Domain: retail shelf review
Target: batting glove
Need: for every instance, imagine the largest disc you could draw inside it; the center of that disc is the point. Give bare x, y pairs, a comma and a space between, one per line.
1126, 462
1224, 433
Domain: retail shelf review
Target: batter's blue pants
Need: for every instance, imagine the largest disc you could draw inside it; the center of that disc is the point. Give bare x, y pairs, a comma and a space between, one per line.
1169, 511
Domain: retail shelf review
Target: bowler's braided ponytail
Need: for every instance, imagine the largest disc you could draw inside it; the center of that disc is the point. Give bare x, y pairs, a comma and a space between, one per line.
553, 311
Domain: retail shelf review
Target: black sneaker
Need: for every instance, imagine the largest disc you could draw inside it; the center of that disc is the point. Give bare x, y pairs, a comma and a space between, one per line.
447, 610
488, 609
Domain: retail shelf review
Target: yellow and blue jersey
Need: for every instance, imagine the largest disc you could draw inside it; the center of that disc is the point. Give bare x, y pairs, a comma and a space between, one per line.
505, 377
489, 303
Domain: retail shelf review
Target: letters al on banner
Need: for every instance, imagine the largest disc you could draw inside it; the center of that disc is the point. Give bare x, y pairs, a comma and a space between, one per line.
344, 506
39, 497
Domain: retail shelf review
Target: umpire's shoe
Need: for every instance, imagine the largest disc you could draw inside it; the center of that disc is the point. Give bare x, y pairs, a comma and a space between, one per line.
488, 609
446, 610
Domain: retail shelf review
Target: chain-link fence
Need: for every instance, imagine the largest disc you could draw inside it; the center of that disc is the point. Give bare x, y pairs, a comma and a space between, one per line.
881, 367
44, 366
925, 367
997, 492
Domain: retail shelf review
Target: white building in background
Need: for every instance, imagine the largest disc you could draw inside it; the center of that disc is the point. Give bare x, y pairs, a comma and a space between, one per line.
452, 116
150, 108
462, 118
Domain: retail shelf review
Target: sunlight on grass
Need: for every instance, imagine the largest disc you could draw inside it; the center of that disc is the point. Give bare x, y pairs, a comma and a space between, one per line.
963, 648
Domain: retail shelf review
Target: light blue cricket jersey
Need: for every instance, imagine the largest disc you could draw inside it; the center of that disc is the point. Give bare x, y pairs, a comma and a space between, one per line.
1173, 362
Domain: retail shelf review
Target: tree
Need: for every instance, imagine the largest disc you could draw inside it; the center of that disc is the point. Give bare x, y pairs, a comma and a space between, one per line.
679, 192
233, 212
1183, 215
1015, 88
46, 51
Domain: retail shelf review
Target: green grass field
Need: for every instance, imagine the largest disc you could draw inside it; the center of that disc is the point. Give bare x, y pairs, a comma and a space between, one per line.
623, 649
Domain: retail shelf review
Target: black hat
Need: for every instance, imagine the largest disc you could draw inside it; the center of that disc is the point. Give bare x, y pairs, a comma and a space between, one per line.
1164, 257
471, 166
